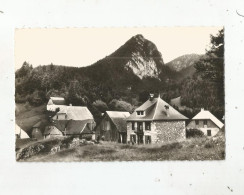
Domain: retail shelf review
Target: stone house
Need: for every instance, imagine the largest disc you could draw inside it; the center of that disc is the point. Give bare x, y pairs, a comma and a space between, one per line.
55, 102
155, 121
206, 122
112, 127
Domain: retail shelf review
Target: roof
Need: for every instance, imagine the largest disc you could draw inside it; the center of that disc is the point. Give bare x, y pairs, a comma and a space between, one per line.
38, 124
75, 113
77, 127
156, 109
205, 114
51, 129
56, 101
118, 119
20, 132
117, 114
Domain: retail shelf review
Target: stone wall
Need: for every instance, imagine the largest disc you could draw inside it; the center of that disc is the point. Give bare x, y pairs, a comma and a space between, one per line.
169, 131
161, 131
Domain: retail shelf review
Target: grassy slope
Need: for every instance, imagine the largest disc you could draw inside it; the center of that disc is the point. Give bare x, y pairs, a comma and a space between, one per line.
26, 116
193, 149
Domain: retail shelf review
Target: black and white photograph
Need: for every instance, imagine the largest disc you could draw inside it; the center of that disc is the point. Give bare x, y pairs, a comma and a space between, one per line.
120, 94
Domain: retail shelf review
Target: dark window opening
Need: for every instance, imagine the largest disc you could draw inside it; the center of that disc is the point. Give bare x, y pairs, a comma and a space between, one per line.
197, 122
205, 122
148, 139
139, 126
140, 112
209, 133
133, 139
148, 126
133, 125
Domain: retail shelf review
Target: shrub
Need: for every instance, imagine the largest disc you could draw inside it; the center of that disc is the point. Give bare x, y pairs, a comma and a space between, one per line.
194, 133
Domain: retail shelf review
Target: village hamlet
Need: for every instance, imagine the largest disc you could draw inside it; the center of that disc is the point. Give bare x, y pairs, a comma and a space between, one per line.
128, 106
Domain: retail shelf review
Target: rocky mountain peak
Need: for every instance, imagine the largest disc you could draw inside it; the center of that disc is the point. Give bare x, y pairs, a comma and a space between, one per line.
142, 57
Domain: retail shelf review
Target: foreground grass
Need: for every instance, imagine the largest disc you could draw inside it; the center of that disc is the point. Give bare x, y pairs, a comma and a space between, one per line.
193, 149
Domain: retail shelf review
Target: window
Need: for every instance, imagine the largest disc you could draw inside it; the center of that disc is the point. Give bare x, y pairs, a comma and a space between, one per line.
66, 116
205, 122
147, 139
209, 133
148, 126
139, 126
197, 122
133, 139
57, 116
133, 125
140, 112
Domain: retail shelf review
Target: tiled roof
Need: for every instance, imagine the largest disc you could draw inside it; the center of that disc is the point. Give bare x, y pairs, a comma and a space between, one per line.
156, 109
205, 114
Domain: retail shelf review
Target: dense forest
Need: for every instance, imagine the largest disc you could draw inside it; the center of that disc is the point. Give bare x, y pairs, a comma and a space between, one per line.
107, 85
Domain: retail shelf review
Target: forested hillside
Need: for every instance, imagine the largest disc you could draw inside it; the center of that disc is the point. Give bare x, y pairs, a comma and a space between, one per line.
124, 79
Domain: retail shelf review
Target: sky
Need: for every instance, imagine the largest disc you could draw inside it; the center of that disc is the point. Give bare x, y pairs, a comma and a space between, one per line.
84, 46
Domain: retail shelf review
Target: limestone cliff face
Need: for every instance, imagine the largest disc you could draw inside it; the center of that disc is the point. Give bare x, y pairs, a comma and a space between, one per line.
140, 56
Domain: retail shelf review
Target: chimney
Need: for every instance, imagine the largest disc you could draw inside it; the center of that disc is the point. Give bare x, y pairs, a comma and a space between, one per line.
70, 104
151, 96
202, 109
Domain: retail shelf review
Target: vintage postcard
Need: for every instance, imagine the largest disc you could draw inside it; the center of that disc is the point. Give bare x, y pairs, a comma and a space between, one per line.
119, 94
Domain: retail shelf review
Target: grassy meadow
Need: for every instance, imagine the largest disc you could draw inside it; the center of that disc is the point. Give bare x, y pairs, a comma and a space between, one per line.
190, 149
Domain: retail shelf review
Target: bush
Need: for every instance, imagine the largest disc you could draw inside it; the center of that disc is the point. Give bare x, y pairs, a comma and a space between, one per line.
194, 133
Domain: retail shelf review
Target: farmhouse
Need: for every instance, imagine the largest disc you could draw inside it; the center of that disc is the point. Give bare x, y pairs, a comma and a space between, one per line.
155, 121
20, 133
206, 122
74, 121
113, 127
55, 102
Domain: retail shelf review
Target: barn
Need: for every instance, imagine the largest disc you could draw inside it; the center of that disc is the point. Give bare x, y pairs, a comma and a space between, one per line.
112, 127
155, 121
206, 122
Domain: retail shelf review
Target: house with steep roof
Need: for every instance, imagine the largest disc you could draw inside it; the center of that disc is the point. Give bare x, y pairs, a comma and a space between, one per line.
54, 103
206, 122
20, 133
113, 127
155, 121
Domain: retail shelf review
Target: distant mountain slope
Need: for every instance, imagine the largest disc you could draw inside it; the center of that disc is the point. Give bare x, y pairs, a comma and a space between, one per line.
183, 62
